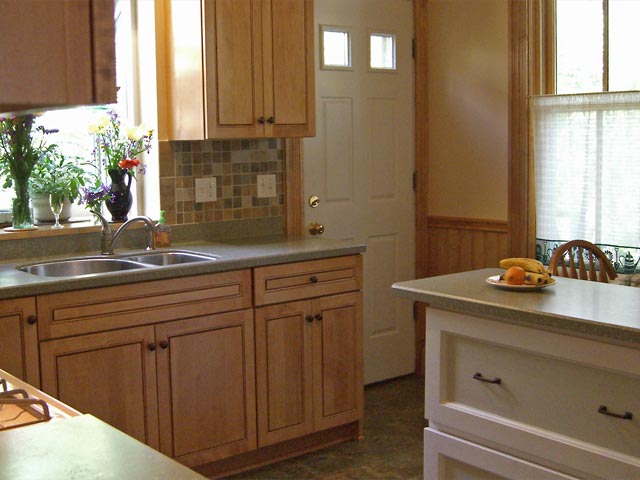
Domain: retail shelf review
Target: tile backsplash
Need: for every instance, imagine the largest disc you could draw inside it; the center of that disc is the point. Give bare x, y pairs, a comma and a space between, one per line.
235, 164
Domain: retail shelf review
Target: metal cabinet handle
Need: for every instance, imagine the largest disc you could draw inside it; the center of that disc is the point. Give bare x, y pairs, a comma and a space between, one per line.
309, 318
318, 316
478, 376
164, 344
151, 347
32, 319
271, 120
261, 120
313, 279
624, 416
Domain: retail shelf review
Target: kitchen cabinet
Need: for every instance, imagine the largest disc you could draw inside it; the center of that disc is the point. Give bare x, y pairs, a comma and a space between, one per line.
170, 363
308, 352
237, 69
57, 54
550, 401
19, 339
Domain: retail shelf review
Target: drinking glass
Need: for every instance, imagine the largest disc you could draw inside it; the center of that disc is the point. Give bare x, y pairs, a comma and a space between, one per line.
55, 202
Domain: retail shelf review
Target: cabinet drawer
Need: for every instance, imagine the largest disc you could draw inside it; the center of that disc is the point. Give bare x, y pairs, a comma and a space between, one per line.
314, 278
85, 311
447, 458
536, 391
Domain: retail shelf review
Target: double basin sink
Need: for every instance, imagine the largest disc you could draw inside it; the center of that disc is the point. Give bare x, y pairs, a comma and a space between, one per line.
76, 267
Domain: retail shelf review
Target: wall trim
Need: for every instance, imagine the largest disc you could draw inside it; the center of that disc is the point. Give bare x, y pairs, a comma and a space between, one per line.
463, 223
293, 189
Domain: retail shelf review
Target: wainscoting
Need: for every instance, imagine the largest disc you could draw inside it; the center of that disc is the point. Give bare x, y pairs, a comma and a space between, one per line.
457, 245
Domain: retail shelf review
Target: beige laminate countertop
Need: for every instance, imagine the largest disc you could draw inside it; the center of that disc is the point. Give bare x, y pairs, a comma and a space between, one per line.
575, 306
232, 255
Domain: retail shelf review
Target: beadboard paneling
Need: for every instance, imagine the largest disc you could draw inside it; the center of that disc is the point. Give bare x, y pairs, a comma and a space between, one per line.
460, 244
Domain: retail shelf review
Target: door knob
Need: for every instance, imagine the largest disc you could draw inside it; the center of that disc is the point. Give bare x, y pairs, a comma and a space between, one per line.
316, 228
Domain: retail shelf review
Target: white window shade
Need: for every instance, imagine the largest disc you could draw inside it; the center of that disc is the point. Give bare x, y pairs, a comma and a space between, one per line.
587, 167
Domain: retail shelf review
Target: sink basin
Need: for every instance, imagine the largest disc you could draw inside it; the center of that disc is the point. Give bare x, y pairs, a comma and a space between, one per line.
81, 267
170, 258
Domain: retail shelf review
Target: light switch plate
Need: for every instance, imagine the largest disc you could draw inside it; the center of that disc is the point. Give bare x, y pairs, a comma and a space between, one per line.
266, 185
206, 190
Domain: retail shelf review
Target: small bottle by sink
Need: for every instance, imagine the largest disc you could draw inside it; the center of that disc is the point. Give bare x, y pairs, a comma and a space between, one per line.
162, 233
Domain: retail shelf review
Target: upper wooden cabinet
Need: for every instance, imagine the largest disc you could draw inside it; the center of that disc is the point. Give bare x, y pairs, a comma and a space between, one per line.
56, 54
236, 69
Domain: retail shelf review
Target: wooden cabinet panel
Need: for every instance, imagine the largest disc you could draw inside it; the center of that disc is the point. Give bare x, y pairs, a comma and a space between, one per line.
337, 352
111, 375
60, 53
206, 387
309, 366
284, 371
314, 278
19, 339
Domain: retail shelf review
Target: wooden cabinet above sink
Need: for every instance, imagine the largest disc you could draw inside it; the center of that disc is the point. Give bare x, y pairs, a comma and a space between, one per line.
235, 69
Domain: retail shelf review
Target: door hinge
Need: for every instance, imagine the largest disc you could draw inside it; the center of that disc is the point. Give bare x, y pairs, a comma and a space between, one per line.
414, 48
415, 180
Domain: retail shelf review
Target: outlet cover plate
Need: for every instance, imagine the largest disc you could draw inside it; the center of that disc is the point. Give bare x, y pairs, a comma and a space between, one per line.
266, 185
206, 190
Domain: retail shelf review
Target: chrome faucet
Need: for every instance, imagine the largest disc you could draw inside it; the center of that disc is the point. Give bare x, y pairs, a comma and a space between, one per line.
108, 239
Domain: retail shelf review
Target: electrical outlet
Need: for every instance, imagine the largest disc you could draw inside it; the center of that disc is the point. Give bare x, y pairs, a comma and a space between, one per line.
266, 185
206, 190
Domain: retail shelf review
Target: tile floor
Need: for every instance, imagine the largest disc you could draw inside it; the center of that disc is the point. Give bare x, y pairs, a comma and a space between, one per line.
391, 449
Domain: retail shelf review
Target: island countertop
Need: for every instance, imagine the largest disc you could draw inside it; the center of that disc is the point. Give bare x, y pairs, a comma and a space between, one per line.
575, 306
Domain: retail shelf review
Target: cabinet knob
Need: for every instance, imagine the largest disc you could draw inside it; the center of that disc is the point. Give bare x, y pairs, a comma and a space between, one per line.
313, 279
318, 316
151, 347
309, 318
261, 120
164, 344
271, 120
32, 319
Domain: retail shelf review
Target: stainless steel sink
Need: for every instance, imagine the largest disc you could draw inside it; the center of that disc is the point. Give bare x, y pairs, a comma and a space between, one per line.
170, 258
76, 267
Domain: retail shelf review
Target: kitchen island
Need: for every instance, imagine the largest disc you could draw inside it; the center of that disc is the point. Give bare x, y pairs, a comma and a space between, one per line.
530, 384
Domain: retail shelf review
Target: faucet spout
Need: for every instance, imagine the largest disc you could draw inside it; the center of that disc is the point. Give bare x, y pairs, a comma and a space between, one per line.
108, 239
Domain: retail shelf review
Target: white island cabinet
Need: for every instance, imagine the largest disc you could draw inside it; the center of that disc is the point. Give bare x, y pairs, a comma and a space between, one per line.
539, 384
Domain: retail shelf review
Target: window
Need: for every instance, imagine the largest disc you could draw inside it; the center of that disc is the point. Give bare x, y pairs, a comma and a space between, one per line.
382, 51
335, 48
586, 133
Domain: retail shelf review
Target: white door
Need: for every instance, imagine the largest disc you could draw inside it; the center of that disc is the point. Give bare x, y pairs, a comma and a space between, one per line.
361, 163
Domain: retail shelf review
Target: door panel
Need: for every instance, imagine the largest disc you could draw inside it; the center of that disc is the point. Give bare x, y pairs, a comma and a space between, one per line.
361, 166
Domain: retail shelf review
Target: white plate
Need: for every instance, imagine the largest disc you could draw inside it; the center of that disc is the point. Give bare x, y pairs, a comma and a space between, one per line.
496, 282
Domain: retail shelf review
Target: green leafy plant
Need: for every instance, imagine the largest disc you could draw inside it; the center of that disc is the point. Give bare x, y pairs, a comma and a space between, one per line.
59, 175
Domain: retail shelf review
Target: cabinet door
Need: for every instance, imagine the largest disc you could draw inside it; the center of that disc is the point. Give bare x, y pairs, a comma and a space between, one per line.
288, 53
19, 339
337, 355
57, 53
284, 371
206, 387
233, 73
111, 375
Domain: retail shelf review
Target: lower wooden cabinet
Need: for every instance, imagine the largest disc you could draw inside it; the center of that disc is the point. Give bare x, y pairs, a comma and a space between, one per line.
308, 366
19, 339
185, 387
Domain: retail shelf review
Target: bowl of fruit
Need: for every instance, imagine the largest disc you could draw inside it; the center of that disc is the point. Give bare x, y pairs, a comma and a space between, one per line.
522, 274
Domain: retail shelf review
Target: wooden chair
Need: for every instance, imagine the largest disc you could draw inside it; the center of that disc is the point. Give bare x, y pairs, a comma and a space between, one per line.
578, 252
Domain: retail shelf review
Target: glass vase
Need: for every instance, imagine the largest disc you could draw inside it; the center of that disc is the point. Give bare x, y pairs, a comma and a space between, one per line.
21, 211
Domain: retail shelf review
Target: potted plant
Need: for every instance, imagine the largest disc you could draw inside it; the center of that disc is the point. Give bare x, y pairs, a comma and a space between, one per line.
55, 174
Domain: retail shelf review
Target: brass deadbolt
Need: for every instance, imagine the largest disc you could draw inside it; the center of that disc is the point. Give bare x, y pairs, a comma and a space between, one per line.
314, 200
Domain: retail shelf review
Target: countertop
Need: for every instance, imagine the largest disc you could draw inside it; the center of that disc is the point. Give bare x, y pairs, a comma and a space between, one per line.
82, 448
231, 255
574, 306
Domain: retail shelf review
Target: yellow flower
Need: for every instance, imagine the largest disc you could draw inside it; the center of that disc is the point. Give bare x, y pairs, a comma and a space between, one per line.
100, 125
135, 133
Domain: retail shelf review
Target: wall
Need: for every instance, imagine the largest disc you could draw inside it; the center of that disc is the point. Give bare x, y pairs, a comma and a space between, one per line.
468, 93
235, 165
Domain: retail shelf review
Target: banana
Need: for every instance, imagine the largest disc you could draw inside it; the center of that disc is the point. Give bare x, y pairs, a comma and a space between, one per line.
528, 264
536, 279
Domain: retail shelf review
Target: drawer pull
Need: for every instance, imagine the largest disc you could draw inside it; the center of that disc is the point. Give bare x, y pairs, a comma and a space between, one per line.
309, 318
313, 279
624, 416
478, 376
318, 316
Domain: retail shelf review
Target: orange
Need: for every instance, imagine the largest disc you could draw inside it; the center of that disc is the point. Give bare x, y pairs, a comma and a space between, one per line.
515, 276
